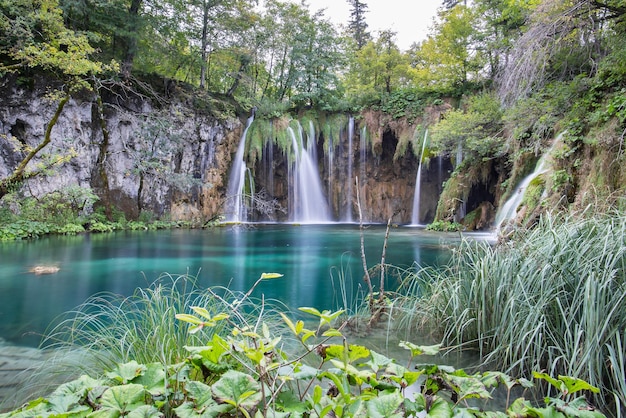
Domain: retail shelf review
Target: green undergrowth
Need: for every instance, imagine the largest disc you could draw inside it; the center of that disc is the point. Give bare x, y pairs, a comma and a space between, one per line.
232, 356
70, 211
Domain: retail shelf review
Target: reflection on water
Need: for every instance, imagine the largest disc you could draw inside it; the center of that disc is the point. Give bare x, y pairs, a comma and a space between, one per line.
308, 256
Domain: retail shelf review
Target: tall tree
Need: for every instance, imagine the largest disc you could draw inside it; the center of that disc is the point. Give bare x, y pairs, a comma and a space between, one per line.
450, 56
357, 24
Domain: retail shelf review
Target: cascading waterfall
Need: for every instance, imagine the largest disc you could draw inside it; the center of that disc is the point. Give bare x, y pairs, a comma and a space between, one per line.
350, 180
308, 204
508, 211
418, 185
236, 209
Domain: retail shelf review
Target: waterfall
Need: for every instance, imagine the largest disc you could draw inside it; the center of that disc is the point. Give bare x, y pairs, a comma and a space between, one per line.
348, 214
418, 185
508, 211
308, 201
236, 209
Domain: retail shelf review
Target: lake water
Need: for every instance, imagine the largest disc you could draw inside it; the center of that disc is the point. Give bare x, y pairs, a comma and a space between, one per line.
311, 258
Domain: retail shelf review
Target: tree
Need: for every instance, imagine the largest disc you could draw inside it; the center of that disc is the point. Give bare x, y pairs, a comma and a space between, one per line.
357, 24
34, 36
564, 39
476, 129
450, 56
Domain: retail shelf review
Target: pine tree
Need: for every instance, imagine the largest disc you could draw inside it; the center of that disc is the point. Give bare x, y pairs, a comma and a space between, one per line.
357, 24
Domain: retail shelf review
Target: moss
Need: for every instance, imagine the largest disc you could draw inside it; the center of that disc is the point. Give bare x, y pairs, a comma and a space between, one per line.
533, 194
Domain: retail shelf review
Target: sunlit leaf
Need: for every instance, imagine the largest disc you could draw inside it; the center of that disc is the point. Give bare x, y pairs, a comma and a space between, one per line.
311, 311
189, 318
332, 333
574, 385
268, 276
560, 385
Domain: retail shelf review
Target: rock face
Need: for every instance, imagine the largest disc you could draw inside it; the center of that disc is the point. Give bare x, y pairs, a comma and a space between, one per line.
136, 155
171, 159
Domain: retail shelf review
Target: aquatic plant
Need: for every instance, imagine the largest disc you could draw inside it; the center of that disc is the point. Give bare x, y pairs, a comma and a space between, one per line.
553, 298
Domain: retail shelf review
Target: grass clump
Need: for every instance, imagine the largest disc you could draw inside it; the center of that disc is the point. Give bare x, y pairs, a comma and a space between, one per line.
553, 298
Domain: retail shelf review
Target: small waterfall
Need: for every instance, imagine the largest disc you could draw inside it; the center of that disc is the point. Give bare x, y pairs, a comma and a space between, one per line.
418, 185
236, 209
308, 201
508, 211
350, 180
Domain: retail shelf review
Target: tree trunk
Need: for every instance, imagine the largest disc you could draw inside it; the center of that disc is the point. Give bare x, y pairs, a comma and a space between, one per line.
19, 174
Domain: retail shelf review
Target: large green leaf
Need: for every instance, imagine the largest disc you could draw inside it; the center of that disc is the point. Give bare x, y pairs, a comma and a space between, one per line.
574, 385
418, 350
125, 373
153, 379
468, 387
385, 406
123, 399
78, 386
145, 411
237, 388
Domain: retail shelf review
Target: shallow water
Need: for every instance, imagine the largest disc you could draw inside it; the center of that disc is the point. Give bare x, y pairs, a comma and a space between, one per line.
312, 258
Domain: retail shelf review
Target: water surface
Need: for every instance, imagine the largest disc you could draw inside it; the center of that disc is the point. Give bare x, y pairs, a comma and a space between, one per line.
311, 257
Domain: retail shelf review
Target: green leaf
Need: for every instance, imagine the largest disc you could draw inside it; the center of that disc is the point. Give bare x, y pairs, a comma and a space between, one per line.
268, 276
145, 411
560, 385
200, 393
78, 386
574, 385
125, 373
434, 406
202, 312
189, 318
418, 350
385, 406
123, 399
289, 323
355, 352
311, 311
153, 379
210, 410
332, 333
239, 388
575, 408
468, 387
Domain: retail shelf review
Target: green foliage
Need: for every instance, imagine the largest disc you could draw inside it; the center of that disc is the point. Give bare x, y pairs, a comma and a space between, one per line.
23, 229
246, 371
477, 130
401, 103
444, 226
553, 300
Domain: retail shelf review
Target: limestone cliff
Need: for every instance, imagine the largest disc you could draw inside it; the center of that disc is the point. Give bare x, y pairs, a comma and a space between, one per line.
137, 153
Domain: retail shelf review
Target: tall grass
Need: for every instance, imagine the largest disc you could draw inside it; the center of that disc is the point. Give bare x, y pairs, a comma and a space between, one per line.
553, 298
108, 329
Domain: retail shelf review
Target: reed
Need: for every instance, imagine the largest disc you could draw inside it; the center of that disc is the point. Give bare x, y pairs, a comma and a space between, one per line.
553, 298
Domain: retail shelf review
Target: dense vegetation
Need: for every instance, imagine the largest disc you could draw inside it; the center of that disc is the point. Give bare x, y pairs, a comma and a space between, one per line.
514, 74
226, 360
